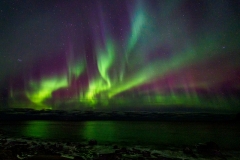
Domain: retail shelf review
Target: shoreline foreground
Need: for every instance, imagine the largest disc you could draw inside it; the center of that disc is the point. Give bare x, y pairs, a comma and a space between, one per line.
33, 149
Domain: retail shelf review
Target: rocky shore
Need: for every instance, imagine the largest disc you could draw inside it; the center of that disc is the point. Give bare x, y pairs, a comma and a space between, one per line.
33, 149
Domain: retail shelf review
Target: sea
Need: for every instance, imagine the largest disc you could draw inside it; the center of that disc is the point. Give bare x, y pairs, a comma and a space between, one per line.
145, 133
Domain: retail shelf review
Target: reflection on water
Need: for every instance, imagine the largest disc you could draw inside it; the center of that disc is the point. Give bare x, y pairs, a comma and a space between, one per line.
52, 130
36, 129
105, 131
131, 133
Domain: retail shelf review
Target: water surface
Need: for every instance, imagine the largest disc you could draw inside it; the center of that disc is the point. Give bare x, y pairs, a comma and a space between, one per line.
129, 132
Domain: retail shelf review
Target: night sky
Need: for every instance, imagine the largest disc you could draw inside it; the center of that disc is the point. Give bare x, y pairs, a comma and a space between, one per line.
144, 54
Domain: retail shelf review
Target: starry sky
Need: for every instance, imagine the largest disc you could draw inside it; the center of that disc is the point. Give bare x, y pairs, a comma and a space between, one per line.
138, 54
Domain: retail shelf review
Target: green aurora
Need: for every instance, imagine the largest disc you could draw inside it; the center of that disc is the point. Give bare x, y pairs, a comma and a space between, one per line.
156, 57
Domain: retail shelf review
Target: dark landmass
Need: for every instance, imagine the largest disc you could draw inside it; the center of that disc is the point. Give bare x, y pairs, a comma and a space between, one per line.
15, 114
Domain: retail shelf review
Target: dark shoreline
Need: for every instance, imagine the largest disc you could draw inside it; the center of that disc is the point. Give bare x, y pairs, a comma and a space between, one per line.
78, 115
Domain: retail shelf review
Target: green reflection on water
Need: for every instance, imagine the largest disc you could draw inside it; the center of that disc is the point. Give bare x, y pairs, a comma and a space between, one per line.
104, 131
37, 129
54, 130
130, 133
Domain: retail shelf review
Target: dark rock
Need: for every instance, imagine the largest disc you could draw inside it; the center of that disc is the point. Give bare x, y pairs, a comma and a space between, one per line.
47, 157
108, 156
42, 150
115, 147
146, 153
80, 145
68, 143
187, 151
33, 143
17, 149
137, 151
7, 155
92, 142
124, 149
78, 158
3, 141
209, 148
237, 117
56, 147
118, 151
157, 155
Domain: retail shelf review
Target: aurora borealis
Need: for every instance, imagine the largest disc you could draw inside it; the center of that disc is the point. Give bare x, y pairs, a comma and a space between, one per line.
112, 54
